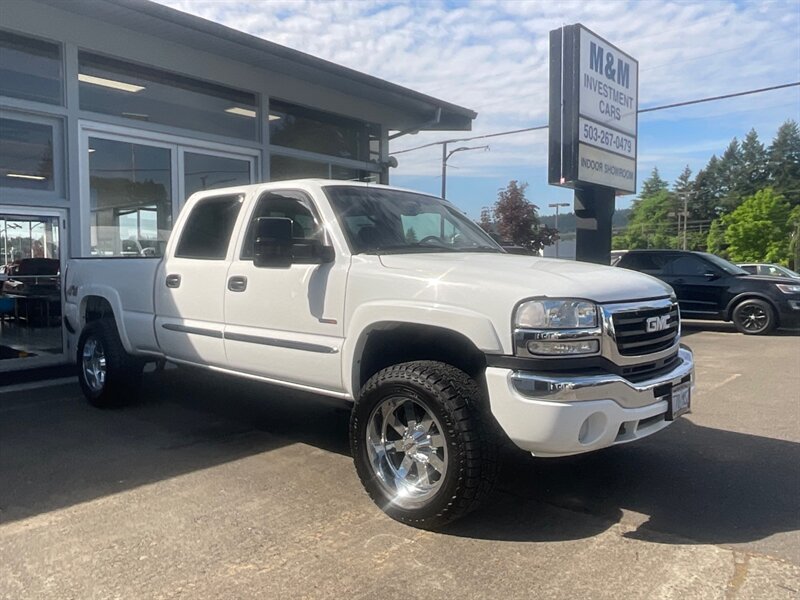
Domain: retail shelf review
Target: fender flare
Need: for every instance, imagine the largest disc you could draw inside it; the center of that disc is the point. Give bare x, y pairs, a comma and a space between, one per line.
111, 296
367, 317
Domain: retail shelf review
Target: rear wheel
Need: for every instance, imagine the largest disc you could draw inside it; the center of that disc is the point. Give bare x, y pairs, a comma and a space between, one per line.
420, 445
754, 317
108, 375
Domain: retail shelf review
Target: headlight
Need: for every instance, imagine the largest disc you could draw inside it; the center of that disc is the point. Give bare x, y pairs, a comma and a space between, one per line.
556, 314
788, 288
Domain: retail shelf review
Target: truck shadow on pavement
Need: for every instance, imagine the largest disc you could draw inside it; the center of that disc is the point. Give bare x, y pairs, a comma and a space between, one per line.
691, 483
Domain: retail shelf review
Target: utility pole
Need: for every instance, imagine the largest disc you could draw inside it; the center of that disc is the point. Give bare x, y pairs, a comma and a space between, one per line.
685, 217
556, 205
446, 156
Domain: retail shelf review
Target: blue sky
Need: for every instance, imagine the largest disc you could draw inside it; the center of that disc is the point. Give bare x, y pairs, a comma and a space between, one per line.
492, 57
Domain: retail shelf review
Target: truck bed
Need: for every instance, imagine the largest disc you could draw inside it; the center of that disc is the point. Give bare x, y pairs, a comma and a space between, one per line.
128, 284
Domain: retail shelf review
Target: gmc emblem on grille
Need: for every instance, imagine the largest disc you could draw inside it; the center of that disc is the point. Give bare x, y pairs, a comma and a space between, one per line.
657, 323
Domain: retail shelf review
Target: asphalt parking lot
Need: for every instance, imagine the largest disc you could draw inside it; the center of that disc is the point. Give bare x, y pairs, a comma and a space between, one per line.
213, 488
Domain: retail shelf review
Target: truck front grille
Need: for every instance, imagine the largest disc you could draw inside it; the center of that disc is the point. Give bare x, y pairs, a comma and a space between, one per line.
633, 336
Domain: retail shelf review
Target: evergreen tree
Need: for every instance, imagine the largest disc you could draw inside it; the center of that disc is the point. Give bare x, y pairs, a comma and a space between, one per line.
730, 168
653, 185
706, 192
753, 175
783, 162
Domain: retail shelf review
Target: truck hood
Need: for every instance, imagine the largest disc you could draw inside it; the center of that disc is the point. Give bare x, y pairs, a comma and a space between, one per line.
528, 276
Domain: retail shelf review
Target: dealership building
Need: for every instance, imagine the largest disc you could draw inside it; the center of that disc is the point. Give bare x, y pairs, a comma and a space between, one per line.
113, 112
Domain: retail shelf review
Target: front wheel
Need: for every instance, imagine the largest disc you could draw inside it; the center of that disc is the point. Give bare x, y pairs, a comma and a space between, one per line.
420, 445
754, 317
108, 375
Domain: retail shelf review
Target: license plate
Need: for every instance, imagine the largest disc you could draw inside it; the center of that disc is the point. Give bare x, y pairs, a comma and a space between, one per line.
679, 401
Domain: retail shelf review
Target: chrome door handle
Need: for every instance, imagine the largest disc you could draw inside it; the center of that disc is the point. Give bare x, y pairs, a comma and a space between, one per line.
237, 283
173, 281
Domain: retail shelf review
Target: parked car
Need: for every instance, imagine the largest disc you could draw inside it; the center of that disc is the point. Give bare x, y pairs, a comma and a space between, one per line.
769, 270
441, 341
710, 287
616, 255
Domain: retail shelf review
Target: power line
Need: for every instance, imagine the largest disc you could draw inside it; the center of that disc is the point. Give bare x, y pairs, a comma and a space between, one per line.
641, 110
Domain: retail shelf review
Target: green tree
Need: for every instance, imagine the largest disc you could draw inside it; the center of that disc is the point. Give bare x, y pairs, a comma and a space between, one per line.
783, 163
707, 191
653, 184
730, 169
652, 223
753, 175
411, 236
715, 242
760, 228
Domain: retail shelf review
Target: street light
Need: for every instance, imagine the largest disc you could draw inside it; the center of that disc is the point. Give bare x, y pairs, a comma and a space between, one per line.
557, 205
446, 156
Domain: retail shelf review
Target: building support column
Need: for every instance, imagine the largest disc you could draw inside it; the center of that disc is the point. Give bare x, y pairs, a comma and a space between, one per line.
594, 208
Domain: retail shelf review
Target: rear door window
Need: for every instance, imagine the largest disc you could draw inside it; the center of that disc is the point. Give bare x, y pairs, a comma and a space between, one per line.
207, 233
645, 262
688, 265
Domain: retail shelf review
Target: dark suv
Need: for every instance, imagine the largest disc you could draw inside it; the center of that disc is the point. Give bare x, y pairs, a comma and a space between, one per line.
709, 287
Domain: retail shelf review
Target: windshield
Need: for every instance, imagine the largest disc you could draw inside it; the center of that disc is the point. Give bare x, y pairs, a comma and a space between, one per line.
723, 264
382, 221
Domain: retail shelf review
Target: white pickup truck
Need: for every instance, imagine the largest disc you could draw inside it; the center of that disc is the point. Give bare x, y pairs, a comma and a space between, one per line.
398, 303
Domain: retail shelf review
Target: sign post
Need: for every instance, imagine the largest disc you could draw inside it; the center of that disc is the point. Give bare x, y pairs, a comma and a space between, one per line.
594, 103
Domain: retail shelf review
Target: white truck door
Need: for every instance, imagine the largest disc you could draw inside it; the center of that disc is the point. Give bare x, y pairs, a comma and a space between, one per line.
190, 284
286, 323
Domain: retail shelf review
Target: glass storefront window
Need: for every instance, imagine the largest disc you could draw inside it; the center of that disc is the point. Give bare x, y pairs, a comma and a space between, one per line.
115, 87
26, 155
131, 199
303, 128
349, 174
287, 167
208, 172
30, 69
282, 168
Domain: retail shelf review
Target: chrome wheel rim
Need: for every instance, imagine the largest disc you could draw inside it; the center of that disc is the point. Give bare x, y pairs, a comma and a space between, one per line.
407, 451
94, 364
753, 318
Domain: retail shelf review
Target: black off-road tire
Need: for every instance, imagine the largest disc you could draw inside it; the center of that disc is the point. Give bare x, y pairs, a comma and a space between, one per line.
456, 401
123, 372
754, 317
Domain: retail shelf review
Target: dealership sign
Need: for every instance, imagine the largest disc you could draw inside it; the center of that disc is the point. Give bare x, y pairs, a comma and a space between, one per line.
594, 102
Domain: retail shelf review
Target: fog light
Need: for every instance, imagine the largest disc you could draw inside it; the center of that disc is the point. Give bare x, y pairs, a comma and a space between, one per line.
563, 348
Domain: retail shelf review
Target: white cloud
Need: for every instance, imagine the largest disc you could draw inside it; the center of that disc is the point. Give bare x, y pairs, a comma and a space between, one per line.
493, 57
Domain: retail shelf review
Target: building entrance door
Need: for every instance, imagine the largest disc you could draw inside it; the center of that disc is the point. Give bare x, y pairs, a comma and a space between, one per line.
32, 243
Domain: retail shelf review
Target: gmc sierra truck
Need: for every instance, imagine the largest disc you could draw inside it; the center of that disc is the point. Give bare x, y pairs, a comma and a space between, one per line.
399, 304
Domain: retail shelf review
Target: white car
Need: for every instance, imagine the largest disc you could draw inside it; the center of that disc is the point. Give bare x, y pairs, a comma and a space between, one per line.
769, 270
397, 303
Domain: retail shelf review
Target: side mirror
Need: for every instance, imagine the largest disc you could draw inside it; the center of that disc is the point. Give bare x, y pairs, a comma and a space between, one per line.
273, 242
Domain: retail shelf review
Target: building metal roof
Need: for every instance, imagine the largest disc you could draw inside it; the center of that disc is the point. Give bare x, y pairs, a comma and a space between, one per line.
168, 23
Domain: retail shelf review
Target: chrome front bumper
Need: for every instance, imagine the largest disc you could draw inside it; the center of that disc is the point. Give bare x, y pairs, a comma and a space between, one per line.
591, 387
551, 415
